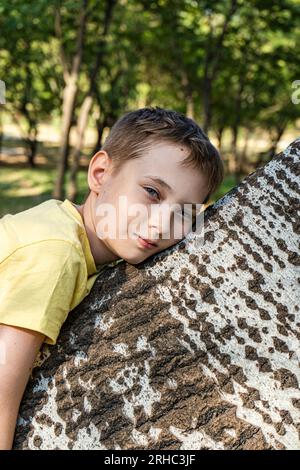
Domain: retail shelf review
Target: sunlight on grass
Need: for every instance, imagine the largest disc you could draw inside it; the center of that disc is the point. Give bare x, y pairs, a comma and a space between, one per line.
21, 188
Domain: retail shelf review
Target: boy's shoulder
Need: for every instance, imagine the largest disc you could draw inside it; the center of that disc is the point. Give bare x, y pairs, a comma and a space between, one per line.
50, 220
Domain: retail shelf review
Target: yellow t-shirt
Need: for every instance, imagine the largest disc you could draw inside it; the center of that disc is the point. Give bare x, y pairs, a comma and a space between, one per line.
46, 266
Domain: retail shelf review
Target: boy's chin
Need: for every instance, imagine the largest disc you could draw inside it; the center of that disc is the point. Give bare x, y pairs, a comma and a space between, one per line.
136, 258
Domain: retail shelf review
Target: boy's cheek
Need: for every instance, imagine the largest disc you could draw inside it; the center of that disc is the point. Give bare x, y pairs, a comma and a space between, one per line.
105, 228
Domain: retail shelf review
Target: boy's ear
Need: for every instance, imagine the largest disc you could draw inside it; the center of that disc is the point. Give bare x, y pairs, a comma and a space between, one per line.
100, 165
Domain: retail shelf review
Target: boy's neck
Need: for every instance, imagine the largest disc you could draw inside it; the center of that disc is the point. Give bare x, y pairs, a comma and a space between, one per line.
100, 252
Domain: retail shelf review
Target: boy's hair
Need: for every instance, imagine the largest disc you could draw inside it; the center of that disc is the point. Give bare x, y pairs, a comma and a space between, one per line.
136, 131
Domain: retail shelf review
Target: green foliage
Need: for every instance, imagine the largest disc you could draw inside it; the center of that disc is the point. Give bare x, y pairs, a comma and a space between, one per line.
238, 57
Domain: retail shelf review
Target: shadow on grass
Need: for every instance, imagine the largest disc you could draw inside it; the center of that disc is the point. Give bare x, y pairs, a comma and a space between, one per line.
13, 152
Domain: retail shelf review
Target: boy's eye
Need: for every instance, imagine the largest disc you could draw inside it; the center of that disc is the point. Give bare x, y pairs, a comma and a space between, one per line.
151, 189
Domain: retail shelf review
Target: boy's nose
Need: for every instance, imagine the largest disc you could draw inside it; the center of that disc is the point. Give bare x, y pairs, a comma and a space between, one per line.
159, 224
154, 232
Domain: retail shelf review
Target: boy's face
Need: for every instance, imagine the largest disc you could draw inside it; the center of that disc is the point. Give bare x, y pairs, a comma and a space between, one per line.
130, 204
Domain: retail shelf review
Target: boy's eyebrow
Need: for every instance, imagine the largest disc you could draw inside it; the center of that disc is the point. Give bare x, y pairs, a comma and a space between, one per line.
158, 180
163, 183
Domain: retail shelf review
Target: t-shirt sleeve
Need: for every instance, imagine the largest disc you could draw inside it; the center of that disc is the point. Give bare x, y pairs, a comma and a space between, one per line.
37, 286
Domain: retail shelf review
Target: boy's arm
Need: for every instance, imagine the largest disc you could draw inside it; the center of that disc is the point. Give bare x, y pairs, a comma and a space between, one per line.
18, 350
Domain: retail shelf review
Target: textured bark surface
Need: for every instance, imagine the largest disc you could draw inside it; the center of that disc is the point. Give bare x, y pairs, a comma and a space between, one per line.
196, 348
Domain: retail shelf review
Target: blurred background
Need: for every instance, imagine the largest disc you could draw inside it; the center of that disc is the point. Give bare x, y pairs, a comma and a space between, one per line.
71, 68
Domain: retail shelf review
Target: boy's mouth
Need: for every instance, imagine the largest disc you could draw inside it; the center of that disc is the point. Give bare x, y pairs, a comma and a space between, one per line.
146, 243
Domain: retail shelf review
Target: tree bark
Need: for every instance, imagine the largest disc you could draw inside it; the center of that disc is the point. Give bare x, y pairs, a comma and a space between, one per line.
196, 348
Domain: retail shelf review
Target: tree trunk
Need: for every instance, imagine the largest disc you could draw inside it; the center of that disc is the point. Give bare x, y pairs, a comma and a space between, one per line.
81, 127
212, 62
244, 155
69, 99
100, 124
190, 112
275, 141
196, 348
235, 154
220, 133
69, 95
32, 148
207, 105
32, 143
188, 94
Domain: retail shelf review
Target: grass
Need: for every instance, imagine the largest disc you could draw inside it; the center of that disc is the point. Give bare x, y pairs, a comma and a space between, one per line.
23, 188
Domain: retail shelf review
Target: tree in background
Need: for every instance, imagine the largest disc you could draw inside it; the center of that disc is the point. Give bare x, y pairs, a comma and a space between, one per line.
28, 68
227, 64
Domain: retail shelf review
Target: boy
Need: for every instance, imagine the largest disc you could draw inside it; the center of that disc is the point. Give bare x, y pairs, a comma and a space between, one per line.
51, 254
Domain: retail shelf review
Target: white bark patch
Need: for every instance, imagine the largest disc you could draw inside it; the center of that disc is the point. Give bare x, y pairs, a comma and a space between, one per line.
195, 440
125, 380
